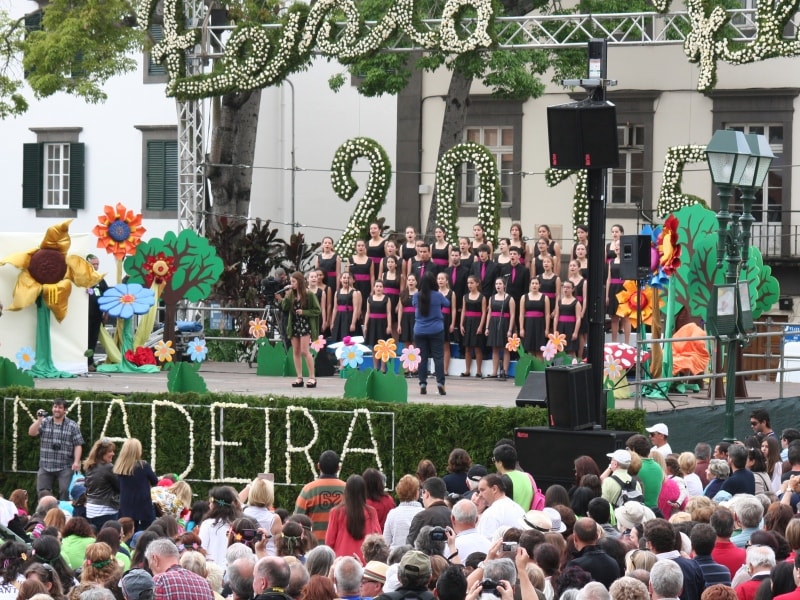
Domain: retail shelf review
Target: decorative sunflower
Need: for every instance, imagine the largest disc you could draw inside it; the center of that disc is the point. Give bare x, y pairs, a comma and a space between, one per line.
385, 349
120, 230
50, 272
629, 303
158, 268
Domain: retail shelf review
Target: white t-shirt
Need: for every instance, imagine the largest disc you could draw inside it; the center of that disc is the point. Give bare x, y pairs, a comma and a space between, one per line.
502, 512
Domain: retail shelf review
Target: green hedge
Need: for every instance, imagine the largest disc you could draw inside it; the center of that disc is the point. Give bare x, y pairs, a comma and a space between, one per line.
403, 433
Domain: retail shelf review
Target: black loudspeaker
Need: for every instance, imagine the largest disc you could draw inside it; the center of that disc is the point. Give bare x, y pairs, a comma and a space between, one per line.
549, 454
634, 260
570, 398
583, 135
533, 391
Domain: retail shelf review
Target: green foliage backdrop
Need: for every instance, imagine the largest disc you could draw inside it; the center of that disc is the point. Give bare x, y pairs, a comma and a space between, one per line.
405, 433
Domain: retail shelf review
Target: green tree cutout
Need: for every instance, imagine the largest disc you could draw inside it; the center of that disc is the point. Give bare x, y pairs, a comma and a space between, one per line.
195, 269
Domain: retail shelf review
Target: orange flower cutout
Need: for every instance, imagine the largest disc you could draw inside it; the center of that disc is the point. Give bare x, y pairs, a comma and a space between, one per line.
385, 350
559, 340
120, 230
629, 303
512, 345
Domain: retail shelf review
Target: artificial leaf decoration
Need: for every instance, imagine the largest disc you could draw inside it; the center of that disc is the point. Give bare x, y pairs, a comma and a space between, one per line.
11, 375
184, 377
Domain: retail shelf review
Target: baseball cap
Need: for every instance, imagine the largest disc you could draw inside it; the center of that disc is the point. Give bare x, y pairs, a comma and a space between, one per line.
658, 428
77, 491
135, 582
415, 563
623, 457
375, 570
476, 472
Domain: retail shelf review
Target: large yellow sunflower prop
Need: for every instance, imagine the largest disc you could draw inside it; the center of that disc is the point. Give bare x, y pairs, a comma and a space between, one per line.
629, 301
48, 270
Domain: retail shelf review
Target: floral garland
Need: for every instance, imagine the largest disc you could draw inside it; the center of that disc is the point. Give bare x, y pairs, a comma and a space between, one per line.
291, 448
222, 443
580, 200
671, 199
189, 420
490, 193
380, 177
255, 57
373, 450
121, 404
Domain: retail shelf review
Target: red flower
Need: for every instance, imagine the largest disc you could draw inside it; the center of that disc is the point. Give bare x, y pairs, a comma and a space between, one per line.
142, 356
669, 249
158, 268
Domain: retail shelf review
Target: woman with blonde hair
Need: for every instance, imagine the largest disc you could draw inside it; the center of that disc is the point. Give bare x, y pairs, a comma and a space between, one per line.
55, 517
260, 495
102, 485
303, 312
135, 477
100, 565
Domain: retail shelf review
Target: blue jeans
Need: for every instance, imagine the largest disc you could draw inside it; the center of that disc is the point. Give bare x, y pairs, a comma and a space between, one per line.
430, 345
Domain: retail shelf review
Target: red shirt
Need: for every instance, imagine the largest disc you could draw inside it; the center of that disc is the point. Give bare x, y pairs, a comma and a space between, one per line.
382, 507
340, 540
725, 553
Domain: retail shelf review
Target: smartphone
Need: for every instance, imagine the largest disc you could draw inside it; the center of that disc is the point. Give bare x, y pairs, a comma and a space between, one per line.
267, 476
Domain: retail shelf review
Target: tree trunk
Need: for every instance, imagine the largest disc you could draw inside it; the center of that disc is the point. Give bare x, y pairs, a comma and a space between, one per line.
233, 141
455, 117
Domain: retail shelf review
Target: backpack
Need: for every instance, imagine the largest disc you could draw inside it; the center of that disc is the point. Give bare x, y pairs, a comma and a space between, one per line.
538, 497
628, 491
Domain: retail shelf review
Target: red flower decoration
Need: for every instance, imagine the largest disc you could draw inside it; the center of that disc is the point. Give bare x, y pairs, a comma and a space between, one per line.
159, 268
669, 249
142, 356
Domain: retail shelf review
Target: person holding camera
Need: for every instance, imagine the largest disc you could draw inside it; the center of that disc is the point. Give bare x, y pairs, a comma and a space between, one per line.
60, 449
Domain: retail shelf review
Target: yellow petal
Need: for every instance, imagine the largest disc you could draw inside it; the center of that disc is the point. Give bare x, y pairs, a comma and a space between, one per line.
26, 291
56, 297
57, 237
81, 272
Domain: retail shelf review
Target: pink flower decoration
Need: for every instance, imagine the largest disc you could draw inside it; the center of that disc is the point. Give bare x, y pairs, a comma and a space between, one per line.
319, 343
549, 350
410, 358
347, 340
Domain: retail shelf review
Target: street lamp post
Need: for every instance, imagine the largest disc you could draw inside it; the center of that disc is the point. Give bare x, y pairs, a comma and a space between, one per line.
734, 159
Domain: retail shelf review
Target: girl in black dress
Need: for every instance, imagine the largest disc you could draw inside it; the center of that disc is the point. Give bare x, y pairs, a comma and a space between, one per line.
537, 268
406, 313
392, 286
503, 257
330, 263
449, 314
553, 247
614, 285
616, 232
314, 287
581, 255
378, 321
579, 289
467, 257
582, 233
409, 250
375, 249
516, 240
440, 250
568, 317
390, 248
480, 238
534, 319
473, 319
302, 310
346, 307
549, 282
500, 327
361, 273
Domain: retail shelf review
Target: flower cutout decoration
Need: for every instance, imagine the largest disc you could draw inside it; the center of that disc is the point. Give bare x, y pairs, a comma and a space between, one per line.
127, 299
669, 249
50, 272
410, 358
197, 350
258, 328
164, 351
352, 356
159, 269
512, 345
119, 231
319, 343
559, 340
26, 358
630, 301
549, 350
385, 350
612, 369
142, 356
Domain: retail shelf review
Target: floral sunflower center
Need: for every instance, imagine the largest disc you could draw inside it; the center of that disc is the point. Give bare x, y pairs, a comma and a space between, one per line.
160, 268
48, 266
119, 231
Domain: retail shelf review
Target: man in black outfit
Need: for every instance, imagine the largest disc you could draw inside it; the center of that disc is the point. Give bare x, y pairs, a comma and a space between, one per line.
424, 265
516, 275
436, 513
485, 269
270, 577
589, 556
95, 314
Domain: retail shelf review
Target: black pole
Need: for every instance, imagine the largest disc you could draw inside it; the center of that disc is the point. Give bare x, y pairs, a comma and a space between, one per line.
596, 189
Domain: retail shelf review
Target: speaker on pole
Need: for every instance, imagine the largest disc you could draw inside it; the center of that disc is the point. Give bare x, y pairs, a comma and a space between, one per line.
534, 391
570, 398
583, 135
634, 259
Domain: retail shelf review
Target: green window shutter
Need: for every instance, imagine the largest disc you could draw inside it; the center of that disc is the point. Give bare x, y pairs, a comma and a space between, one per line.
32, 175
33, 21
162, 175
156, 35
77, 170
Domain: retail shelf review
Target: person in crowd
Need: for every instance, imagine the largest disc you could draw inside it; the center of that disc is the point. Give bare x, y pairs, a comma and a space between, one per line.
302, 324
330, 263
703, 538
436, 513
398, 520
505, 461
517, 240
102, 485
429, 332
393, 283
534, 318
467, 539
100, 565
741, 480
240, 576
759, 563
667, 581
771, 449
660, 537
616, 476
516, 274
457, 272
553, 247
757, 465
77, 536
549, 283
352, 520
408, 249
60, 449
46, 550
423, 265
614, 285
135, 477
319, 497
376, 248
479, 239
413, 574
499, 327
361, 274
589, 556
628, 588
440, 251
259, 496
747, 514
346, 309
702, 454
465, 252
377, 497
473, 320
688, 463
449, 314
650, 473
458, 464
213, 532
501, 510
503, 257
485, 269
658, 435
759, 422
377, 321
580, 291
567, 318
137, 584
271, 577
47, 576
725, 552
347, 574
406, 311
315, 286
788, 435
171, 581
12, 563
373, 579
292, 541
718, 471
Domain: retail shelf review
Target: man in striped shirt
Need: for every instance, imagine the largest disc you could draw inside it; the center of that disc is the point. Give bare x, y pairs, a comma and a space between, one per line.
318, 497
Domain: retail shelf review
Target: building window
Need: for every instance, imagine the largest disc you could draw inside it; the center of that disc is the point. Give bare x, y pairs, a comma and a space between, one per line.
53, 172
626, 183
159, 171
500, 142
154, 72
